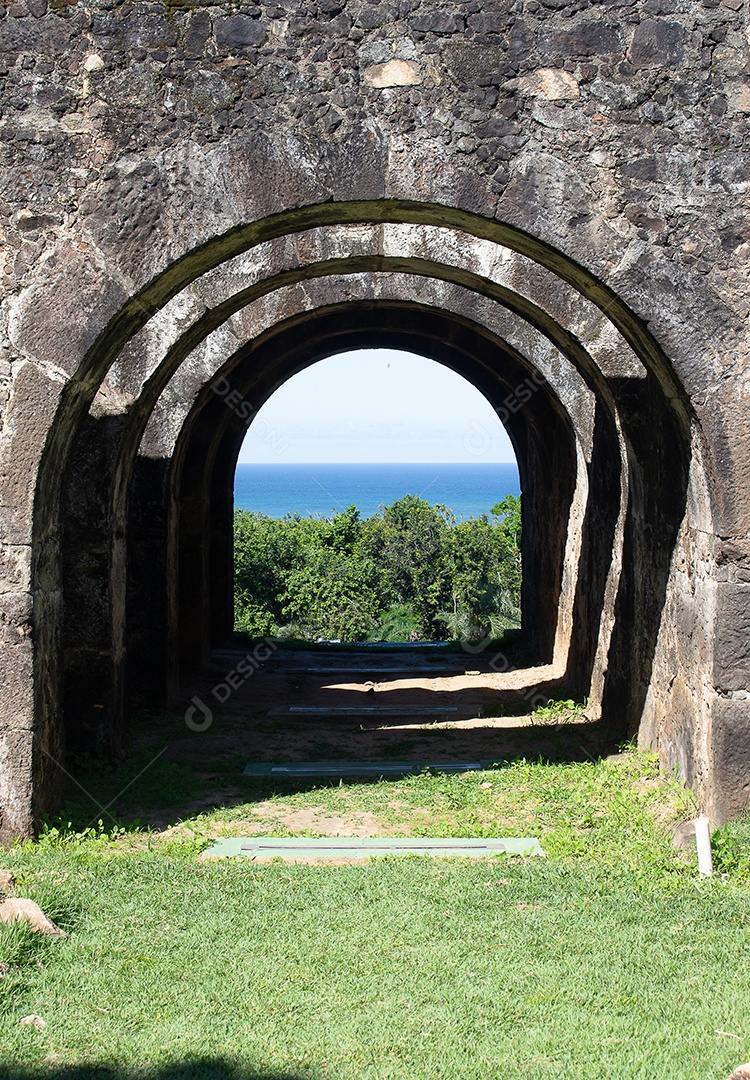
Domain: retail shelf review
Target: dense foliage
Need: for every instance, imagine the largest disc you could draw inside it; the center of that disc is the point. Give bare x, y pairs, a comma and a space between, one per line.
411, 572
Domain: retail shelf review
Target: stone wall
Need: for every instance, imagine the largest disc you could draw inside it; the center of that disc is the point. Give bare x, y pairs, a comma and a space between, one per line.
564, 182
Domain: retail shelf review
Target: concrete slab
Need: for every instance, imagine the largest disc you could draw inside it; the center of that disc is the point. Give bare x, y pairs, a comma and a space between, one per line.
371, 769
436, 670
359, 849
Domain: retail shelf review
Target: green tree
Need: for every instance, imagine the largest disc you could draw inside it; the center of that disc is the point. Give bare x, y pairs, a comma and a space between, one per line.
399, 575
412, 552
334, 590
332, 596
264, 550
509, 511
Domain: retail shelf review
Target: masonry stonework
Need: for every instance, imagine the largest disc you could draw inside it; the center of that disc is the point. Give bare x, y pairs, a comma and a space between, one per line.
553, 191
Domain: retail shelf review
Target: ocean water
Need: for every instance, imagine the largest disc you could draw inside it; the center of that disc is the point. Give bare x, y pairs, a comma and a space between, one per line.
322, 490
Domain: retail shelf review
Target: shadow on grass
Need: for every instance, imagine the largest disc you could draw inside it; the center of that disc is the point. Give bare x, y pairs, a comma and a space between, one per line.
196, 1069
158, 794
178, 771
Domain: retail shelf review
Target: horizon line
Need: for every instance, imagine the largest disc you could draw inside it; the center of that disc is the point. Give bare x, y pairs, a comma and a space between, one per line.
282, 463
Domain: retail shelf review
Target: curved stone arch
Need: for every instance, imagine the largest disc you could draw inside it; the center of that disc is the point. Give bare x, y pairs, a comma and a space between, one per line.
135, 424
176, 400
539, 512
398, 324
217, 316
81, 388
423, 244
387, 288
80, 391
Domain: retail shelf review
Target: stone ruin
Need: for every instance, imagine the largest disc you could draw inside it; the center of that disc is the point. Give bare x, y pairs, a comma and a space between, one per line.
549, 197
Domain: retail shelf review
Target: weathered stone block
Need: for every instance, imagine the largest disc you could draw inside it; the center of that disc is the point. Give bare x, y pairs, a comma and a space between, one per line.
732, 637
520, 43
15, 568
641, 169
730, 172
149, 31
30, 410
16, 784
15, 618
552, 84
16, 687
57, 318
739, 96
436, 22
198, 33
729, 763
19, 909
589, 38
733, 559
238, 32
93, 63
496, 128
394, 73
470, 63
657, 43
489, 22
371, 17
50, 36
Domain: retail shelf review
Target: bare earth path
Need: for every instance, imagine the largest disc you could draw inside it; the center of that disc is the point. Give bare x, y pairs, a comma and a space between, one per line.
355, 697
470, 711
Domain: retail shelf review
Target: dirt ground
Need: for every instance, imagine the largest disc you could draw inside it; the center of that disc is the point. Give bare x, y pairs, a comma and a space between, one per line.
374, 705
336, 703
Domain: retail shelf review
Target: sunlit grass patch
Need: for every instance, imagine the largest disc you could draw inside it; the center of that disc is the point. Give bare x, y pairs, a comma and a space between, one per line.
618, 810
401, 968
608, 958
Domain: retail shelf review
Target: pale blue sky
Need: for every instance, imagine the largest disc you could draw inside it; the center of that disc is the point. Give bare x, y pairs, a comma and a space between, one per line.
376, 405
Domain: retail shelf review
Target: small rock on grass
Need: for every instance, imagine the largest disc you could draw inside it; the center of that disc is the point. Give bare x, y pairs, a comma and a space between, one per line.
7, 882
16, 909
34, 1021
742, 1072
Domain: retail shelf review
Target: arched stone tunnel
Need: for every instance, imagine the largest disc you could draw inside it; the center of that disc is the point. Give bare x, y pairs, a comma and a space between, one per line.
490, 189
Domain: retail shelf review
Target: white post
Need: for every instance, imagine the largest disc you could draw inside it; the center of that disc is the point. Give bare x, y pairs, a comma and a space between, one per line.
703, 843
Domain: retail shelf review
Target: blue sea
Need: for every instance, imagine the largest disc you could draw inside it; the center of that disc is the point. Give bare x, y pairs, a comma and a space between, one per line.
323, 490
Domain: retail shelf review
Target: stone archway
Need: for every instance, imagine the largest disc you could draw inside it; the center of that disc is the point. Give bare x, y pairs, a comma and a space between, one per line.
183, 181
133, 521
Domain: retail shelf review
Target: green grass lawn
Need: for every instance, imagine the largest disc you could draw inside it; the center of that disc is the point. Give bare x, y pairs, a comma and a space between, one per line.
608, 959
